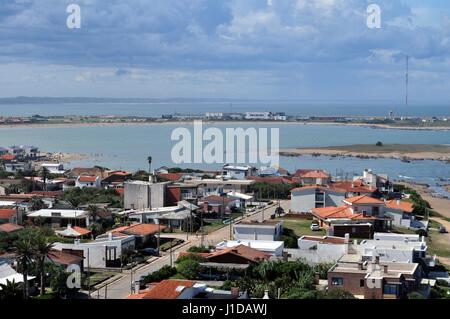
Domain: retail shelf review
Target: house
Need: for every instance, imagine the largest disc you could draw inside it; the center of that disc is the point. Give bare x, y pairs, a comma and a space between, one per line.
305, 198
15, 167
74, 232
8, 274
378, 181
355, 228
174, 217
87, 171
320, 249
255, 230
218, 186
116, 178
238, 172
102, 252
273, 248
61, 217
401, 212
24, 151
10, 228
143, 233
355, 188
54, 168
243, 199
374, 279
309, 177
284, 180
88, 181
9, 216
171, 289
219, 204
65, 258
144, 195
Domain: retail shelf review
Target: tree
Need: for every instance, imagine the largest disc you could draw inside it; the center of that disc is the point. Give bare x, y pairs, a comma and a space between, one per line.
379, 144
415, 295
11, 290
25, 255
45, 174
37, 203
42, 248
92, 211
338, 294
189, 268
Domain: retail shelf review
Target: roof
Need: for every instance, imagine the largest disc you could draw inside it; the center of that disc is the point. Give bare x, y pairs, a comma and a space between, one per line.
169, 289
74, 231
311, 173
265, 245
47, 193
174, 177
319, 187
260, 223
139, 229
239, 195
63, 258
64, 213
7, 157
7, 213
243, 251
354, 187
271, 179
338, 212
87, 179
407, 207
216, 198
9, 228
325, 239
363, 199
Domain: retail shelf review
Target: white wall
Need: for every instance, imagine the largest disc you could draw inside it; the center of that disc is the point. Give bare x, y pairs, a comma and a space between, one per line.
303, 201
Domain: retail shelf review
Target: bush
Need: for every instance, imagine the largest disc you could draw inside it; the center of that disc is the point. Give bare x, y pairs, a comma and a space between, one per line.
338, 294
379, 144
193, 257
197, 249
189, 268
415, 295
442, 283
164, 273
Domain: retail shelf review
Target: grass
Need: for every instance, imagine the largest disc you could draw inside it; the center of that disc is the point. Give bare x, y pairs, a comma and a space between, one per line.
213, 226
438, 244
302, 227
99, 277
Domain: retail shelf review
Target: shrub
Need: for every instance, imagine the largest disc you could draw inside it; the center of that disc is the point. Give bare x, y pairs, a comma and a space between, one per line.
189, 268
415, 295
338, 294
164, 273
379, 144
198, 249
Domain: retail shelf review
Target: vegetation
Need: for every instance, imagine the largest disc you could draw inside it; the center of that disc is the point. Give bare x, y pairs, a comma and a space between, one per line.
290, 238
81, 196
421, 206
164, 273
189, 268
265, 190
198, 249
10, 291
301, 227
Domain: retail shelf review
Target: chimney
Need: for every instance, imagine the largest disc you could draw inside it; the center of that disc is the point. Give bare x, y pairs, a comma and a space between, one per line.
385, 269
110, 236
266, 294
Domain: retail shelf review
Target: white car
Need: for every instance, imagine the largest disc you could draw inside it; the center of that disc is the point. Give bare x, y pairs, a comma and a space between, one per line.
314, 227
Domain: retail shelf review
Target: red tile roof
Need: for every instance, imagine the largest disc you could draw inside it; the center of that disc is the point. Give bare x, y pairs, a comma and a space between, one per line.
63, 258
243, 251
363, 199
322, 188
87, 179
7, 213
220, 199
407, 207
139, 229
47, 193
326, 239
169, 289
7, 157
354, 187
9, 228
82, 231
344, 212
173, 177
311, 173
271, 179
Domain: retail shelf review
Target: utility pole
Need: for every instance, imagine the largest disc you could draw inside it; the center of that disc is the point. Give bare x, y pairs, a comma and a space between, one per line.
106, 291
170, 253
158, 239
131, 279
89, 274
201, 225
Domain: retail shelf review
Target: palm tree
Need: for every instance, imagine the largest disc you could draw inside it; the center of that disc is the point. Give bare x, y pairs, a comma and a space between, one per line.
10, 290
36, 203
92, 211
25, 256
44, 174
42, 248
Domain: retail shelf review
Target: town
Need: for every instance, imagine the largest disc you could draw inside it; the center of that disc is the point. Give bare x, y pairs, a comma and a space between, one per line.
240, 232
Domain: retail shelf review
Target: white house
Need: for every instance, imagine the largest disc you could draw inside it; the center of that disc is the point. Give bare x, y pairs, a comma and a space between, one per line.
61, 217
254, 230
238, 172
274, 248
54, 168
243, 199
102, 252
401, 212
88, 181
317, 249
303, 199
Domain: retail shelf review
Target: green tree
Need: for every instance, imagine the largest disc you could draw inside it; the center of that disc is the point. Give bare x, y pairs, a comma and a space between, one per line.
37, 203
189, 268
338, 294
25, 255
42, 248
11, 291
44, 173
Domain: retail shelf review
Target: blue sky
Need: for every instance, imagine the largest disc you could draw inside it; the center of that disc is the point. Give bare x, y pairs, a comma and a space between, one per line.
267, 49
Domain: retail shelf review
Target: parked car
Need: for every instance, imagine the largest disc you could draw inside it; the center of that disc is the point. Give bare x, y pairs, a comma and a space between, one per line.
315, 227
149, 252
443, 230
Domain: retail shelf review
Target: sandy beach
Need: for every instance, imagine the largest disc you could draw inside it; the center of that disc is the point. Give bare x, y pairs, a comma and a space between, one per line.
215, 122
393, 151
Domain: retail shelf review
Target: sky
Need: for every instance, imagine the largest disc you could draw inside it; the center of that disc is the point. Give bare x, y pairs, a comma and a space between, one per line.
250, 49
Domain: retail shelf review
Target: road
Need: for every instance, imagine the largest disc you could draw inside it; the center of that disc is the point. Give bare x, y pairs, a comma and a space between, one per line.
121, 288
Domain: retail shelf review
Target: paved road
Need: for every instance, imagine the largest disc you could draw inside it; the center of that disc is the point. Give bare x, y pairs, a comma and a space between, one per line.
121, 288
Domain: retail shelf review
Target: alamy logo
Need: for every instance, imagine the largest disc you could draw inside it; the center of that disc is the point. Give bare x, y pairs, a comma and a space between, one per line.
74, 279
374, 16
237, 145
74, 19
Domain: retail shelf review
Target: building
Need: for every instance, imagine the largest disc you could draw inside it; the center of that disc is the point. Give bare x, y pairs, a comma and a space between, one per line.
219, 204
143, 233
9, 228
88, 181
102, 252
74, 232
217, 186
273, 248
378, 181
374, 279
401, 212
306, 198
9, 216
144, 195
54, 168
311, 177
320, 249
61, 217
243, 199
261, 116
255, 230
238, 172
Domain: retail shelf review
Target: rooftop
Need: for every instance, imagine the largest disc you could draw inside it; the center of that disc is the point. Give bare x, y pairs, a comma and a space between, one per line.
169, 289
363, 199
7, 213
9, 228
407, 207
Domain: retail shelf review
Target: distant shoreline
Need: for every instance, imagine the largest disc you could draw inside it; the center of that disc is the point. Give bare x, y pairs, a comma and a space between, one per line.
404, 152
209, 122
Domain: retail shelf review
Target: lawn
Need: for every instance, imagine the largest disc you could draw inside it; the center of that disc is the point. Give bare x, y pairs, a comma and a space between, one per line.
98, 277
438, 244
302, 227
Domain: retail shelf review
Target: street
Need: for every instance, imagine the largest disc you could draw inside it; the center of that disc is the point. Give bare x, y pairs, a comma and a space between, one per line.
122, 287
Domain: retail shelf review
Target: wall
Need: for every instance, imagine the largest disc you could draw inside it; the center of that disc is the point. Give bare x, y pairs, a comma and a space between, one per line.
304, 201
249, 232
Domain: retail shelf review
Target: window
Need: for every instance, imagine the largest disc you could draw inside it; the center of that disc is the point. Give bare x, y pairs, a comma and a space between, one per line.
361, 282
391, 289
337, 281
